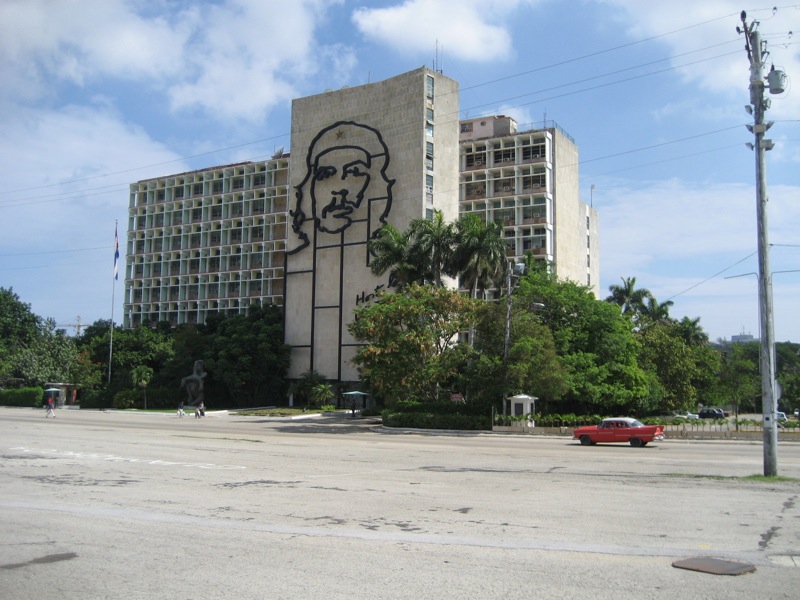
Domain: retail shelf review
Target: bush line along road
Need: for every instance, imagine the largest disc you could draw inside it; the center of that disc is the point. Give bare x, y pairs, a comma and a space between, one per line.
125, 505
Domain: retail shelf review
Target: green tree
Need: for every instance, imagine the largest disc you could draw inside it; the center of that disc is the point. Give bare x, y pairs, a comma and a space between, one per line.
392, 250
594, 341
533, 366
322, 393
302, 387
628, 297
654, 311
51, 356
740, 379
411, 349
433, 247
691, 331
664, 353
479, 255
19, 327
248, 356
141, 377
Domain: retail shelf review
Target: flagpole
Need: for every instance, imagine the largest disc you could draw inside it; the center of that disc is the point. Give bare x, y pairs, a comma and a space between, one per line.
113, 291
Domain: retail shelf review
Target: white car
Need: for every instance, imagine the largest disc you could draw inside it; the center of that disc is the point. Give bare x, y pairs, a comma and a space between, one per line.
781, 416
681, 414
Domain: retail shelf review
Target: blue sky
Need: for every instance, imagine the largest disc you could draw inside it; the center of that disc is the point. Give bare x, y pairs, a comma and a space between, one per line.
96, 94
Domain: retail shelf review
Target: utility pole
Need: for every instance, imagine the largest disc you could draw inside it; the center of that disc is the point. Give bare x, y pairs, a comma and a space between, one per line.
756, 53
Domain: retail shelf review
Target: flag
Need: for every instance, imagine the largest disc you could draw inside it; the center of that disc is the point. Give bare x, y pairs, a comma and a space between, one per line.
116, 254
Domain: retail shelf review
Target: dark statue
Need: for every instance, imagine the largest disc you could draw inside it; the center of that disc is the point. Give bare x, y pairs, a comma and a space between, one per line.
194, 384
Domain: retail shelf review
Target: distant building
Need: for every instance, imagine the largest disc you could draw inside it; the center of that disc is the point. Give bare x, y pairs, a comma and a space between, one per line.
742, 337
293, 230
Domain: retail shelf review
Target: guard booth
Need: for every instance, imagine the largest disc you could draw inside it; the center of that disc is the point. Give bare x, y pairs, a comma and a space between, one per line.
522, 404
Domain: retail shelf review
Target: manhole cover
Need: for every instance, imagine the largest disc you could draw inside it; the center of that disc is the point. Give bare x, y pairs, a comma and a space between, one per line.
714, 566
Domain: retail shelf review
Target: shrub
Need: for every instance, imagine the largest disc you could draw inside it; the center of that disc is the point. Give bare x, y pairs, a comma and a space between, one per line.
27, 397
428, 420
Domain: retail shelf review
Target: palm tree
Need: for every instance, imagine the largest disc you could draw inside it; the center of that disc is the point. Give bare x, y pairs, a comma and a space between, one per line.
391, 250
432, 247
628, 298
655, 311
479, 255
691, 332
141, 376
322, 393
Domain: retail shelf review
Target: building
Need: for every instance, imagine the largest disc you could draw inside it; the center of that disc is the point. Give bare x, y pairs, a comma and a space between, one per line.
527, 181
361, 157
211, 240
293, 230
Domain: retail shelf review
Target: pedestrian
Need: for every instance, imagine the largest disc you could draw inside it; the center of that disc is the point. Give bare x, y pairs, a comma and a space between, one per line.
202, 408
197, 412
50, 407
181, 413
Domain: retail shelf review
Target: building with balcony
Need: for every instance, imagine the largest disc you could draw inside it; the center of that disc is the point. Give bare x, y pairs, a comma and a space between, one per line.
293, 230
206, 241
527, 181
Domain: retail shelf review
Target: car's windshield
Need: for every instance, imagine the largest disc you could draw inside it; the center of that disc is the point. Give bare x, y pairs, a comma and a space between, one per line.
636, 423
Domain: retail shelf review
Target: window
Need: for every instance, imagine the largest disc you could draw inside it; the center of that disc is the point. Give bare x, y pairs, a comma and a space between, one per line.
477, 159
179, 192
238, 183
429, 114
428, 128
588, 245
466, 128
429, 183
259, 179
429, 155
429, 214
429, 86
216, 187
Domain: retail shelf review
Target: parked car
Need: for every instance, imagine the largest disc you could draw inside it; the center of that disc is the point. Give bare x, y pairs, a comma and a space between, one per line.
682, 414
619, 429
711, 413
797, 412
781, 416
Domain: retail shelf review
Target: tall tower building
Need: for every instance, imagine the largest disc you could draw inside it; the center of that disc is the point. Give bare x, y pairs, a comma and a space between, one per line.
386, 152
527, 181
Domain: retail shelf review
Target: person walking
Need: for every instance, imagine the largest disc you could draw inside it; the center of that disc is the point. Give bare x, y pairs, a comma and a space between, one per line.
50, 407
181, 412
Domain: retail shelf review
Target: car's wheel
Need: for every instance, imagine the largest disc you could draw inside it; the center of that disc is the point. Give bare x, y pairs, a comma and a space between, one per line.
636, 443
586, 440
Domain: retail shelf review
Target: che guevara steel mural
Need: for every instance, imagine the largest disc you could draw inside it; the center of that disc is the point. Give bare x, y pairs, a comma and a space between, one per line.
345, 181
340, 204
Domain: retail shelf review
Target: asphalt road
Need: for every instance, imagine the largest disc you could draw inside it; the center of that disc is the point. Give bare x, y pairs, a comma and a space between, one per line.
121, 505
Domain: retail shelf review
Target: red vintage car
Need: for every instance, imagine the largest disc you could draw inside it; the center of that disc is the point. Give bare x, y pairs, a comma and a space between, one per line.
620, 429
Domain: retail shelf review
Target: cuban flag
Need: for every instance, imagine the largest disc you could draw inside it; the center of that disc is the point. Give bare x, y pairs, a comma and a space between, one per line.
116, 254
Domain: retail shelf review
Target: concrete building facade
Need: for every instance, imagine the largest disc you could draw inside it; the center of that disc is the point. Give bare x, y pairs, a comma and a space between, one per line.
527, 181
361, 157
293, 230
211, 240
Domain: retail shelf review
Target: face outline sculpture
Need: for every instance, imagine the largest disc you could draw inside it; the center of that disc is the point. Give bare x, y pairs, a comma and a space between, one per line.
338, 185
345, 181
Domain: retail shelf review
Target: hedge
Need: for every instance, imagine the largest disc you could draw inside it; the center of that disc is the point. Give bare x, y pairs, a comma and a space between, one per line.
30, 397
427, 420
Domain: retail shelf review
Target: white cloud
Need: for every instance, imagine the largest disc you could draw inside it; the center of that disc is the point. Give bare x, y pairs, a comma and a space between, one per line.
233, 59
712, 25
473, 32
47, 42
